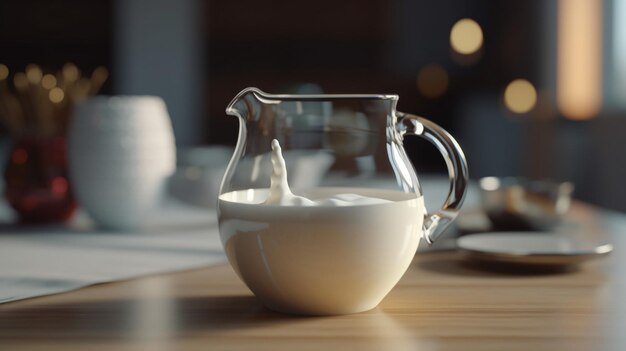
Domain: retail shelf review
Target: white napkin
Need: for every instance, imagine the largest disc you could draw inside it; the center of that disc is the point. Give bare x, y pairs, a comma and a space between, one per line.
36, 261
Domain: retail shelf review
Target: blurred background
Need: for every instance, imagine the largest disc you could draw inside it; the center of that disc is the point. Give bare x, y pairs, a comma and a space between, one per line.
529, 88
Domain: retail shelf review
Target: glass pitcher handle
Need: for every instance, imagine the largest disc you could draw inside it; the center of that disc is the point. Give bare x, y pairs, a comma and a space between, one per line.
436, 223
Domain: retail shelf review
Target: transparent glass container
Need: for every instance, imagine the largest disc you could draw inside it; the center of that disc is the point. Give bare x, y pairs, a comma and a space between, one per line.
332, 144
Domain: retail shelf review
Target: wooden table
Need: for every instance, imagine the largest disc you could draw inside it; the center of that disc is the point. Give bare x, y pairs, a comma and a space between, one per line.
442, 303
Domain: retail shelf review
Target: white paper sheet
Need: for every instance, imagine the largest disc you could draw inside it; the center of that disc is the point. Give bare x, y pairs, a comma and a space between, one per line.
36, 261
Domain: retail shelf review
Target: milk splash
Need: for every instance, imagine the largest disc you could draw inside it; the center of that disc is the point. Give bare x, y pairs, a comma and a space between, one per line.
280, 193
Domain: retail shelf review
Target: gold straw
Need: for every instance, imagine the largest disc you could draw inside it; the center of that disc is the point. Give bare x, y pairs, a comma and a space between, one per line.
42, 102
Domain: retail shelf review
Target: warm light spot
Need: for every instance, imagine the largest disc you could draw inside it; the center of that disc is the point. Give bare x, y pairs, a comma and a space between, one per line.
432, 80
48, 81
70, 72
520, 96
4, 72
466, 36
59, 185
579, 58
20, 156
56, 95
33, 73
20, 81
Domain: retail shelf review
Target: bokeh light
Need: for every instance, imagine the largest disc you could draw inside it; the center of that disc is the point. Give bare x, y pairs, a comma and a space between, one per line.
4, 72
59, 185
432, 80
20, 81
466, 36
70, 72
490, 183
33, 73
520, 96
56, 95
48, 81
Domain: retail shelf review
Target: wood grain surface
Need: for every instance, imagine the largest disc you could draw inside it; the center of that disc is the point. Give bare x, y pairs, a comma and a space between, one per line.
443, 302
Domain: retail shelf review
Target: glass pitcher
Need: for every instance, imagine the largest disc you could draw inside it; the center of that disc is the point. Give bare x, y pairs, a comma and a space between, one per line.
339, 140
325, 256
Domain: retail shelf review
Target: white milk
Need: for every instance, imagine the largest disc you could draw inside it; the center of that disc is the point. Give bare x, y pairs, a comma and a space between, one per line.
327, 251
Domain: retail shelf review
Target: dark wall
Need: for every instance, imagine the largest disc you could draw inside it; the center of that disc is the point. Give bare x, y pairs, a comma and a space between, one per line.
51, 33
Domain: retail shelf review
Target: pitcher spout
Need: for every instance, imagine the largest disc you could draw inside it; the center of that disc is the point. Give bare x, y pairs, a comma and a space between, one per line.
247, 103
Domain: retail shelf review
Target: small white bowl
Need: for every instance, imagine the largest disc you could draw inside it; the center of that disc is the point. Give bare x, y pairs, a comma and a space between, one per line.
199, 174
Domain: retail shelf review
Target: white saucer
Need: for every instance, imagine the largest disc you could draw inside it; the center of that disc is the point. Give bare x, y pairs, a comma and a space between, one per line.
535, 248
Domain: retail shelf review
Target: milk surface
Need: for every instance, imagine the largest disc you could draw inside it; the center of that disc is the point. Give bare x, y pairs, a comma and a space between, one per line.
324, 251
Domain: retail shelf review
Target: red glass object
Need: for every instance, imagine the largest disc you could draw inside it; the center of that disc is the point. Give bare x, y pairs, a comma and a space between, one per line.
36, 182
